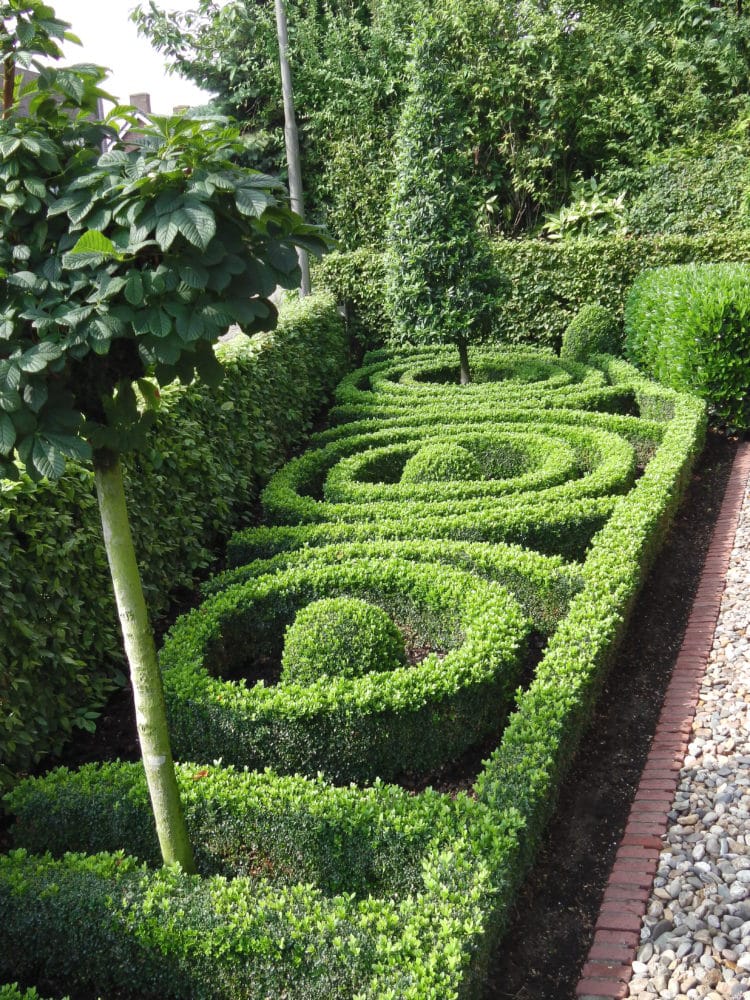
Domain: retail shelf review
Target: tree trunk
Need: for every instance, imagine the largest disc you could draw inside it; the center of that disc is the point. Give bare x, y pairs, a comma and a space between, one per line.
291, 138
463, 355
148, 693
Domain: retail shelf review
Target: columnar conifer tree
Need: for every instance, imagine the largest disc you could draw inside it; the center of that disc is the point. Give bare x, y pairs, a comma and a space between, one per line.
440, 274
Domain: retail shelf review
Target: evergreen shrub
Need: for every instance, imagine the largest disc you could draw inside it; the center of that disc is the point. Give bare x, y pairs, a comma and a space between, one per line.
689, 326
435, 463
593, 330
340, 637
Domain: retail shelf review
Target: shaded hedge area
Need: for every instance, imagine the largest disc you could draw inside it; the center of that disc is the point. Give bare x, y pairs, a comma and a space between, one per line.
543, 283
211, 449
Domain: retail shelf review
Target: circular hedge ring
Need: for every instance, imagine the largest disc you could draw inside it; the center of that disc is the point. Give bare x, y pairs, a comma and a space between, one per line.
412, 718
604, 464
509, 462
434, 374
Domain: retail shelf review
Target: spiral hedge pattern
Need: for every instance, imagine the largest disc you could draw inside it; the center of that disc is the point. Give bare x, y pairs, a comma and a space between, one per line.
549, 486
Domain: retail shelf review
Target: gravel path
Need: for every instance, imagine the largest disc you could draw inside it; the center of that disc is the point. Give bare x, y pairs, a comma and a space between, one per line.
695, 937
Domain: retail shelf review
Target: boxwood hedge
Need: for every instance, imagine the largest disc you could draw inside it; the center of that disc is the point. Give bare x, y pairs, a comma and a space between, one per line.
313, 890
350, 728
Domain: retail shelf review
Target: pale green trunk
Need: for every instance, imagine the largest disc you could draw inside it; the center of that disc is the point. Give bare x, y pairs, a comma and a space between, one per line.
145, 676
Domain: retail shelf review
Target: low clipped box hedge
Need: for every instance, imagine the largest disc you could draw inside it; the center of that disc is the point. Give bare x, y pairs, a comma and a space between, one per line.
542, 585
363, 841
689, 327
314, 890
349, 728
60, 649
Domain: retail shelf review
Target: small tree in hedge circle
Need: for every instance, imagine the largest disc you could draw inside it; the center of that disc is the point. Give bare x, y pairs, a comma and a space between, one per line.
440, 279
118, 272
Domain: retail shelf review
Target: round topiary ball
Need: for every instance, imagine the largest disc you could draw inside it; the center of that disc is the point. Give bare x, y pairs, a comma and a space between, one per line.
593, 330
439, 463
340, 637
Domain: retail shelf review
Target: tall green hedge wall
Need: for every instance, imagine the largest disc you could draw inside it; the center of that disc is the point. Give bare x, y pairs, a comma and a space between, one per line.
60, 650
546, 282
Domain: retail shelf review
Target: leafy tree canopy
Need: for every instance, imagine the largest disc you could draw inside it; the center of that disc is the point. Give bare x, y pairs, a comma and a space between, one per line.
120, 267
558, 91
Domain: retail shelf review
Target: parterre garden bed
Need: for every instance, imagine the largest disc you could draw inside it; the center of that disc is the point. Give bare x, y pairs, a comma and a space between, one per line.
479, 522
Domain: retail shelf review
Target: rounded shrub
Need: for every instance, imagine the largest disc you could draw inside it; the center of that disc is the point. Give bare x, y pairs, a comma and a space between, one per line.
593, 330
436, 463
689, 327
340, 637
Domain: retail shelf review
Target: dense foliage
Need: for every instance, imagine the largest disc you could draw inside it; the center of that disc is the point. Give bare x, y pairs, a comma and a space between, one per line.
175, 245
690, 328
439, 276
340, 637
206, 457
313, 890
558, 92
593, 330
545, 283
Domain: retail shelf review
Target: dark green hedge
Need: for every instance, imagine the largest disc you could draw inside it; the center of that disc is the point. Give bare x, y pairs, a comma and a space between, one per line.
345, 840
546, 282
60, 650
350, 728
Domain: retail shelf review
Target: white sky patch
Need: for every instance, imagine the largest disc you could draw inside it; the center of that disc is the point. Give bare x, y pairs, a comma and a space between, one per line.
110, 39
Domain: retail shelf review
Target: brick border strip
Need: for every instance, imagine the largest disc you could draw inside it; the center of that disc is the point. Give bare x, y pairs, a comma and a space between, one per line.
608, 968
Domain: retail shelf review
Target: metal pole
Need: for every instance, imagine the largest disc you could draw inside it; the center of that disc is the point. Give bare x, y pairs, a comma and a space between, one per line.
291, 138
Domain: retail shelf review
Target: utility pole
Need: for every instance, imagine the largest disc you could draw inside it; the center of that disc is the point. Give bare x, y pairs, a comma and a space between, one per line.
291, 138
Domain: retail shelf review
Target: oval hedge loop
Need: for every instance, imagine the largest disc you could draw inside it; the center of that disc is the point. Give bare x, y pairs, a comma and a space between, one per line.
348, 728
605, 465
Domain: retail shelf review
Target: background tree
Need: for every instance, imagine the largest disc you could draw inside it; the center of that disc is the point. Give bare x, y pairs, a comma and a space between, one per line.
28, 29
119, 271
559, 92
439, 284
348, 57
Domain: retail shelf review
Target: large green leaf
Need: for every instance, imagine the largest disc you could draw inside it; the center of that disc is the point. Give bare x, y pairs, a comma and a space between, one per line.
7, 434
47, 458
134, 289
35, 396
194, 275
91, 250
23, 279
251, 201
196, 222
166, 231
39, 356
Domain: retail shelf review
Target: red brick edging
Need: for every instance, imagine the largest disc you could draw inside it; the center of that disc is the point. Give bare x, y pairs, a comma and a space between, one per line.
608, 967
